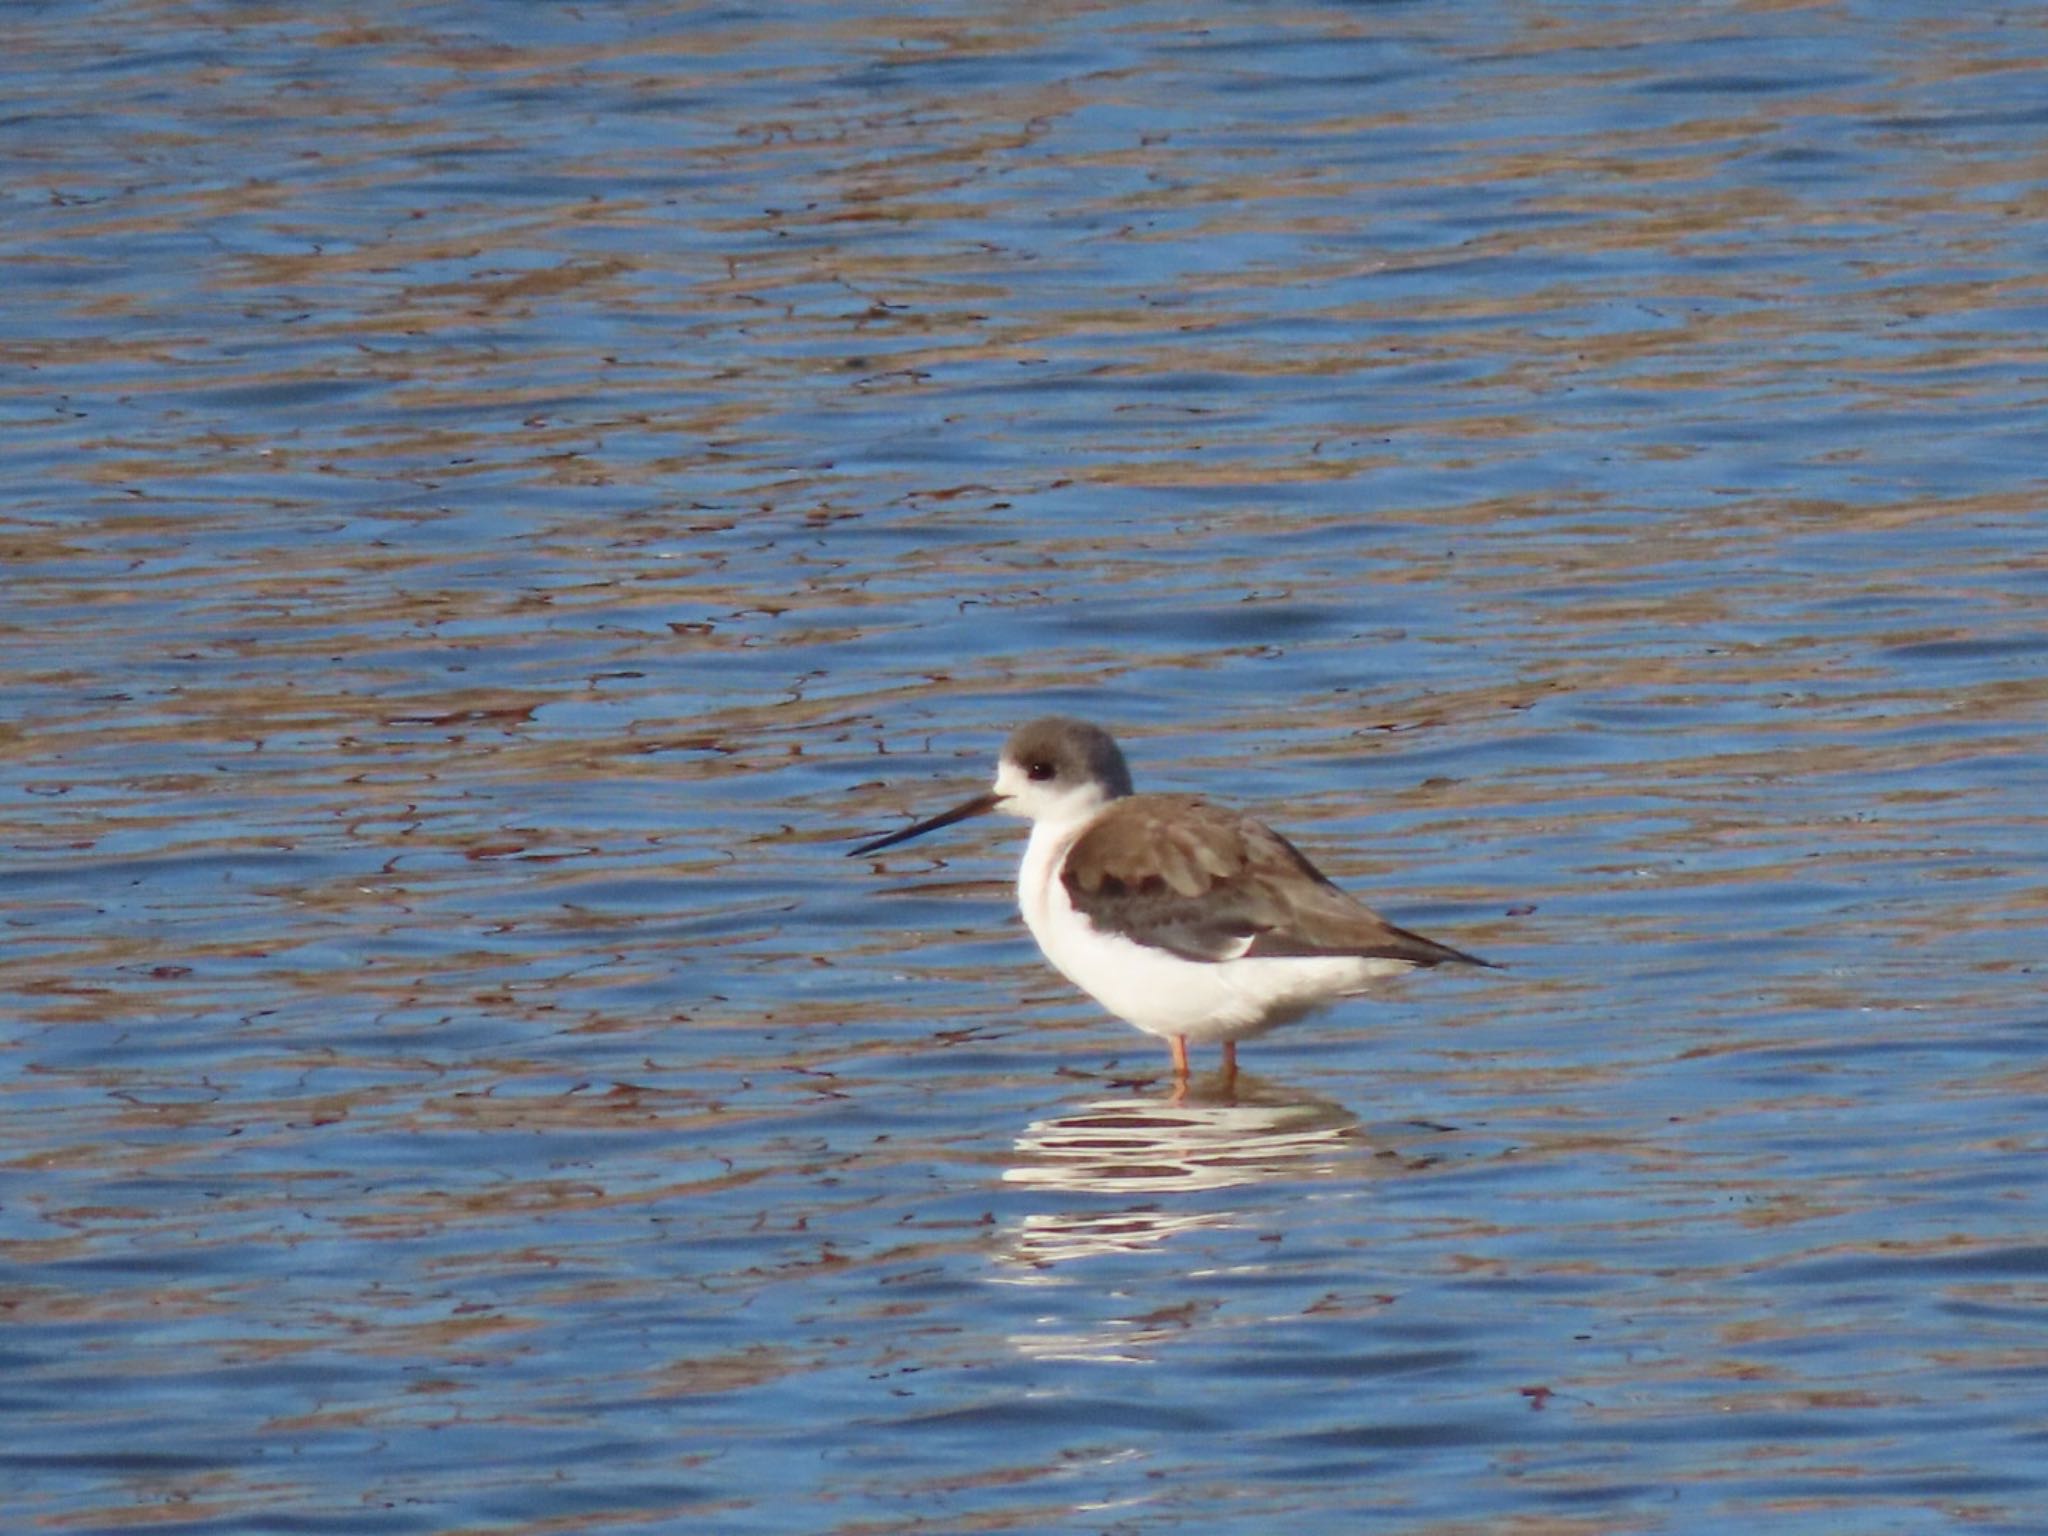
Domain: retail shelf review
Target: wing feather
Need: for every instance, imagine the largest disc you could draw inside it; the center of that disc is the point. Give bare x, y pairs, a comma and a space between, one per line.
1210, 884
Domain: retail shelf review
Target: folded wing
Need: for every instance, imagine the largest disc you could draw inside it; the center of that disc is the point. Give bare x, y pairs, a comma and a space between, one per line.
1211, 884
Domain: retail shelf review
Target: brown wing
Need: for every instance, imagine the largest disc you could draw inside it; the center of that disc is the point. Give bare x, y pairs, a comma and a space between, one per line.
1206, 883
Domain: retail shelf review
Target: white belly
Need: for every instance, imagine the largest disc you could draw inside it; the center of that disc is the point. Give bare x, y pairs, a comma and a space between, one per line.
1158, 991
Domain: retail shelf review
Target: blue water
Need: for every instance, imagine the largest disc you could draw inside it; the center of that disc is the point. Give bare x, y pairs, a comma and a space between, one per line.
494, 501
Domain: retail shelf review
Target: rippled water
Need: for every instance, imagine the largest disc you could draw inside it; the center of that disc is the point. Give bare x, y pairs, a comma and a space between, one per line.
497, 499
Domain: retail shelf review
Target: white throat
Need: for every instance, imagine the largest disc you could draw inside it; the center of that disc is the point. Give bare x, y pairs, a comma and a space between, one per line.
1039, 891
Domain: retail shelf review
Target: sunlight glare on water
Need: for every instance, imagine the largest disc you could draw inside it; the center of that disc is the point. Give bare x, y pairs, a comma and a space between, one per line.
498, 500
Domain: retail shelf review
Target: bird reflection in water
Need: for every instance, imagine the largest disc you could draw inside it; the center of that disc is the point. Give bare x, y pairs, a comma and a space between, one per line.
1151, 1154
1248, 1134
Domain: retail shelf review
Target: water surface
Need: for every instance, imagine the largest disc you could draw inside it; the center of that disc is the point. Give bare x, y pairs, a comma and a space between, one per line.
496, 500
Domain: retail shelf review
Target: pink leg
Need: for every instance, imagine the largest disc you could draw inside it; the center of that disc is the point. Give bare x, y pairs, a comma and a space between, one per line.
1229, 1061
1180, 1057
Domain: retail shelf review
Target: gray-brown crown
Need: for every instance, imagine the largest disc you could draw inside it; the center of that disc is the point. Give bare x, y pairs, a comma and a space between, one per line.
1064, 751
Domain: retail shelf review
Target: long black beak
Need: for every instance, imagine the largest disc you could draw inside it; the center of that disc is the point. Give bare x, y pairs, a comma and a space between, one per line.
980, 805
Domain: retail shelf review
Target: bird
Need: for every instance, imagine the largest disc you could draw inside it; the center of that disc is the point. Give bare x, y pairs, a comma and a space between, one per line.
1192, 921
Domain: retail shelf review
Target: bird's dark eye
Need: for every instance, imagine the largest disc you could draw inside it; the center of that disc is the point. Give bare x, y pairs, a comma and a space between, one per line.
1038, 773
